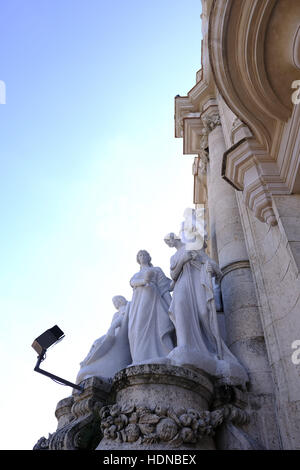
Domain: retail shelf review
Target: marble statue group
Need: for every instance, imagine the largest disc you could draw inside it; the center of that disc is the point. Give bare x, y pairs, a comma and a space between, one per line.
159, 327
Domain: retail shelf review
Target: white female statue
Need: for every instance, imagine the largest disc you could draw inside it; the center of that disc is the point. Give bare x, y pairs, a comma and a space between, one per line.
111, 352
150, 330
193, 311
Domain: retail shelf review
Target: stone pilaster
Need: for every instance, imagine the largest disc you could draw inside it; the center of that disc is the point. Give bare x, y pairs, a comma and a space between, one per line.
244, 331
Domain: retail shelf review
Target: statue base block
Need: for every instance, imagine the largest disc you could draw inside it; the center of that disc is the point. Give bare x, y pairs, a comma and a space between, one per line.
158, 406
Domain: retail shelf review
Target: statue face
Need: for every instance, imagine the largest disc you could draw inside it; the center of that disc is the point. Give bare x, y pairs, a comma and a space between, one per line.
170, 242
119, 301
143, 257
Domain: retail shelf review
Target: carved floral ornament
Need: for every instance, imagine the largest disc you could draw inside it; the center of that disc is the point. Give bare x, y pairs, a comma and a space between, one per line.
148, 425
211, 121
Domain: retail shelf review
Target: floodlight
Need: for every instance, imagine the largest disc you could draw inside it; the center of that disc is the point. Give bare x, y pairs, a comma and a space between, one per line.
47, 339
44, 342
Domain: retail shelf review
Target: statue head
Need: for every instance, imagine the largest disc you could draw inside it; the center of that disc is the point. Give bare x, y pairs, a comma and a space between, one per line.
144, 258
118, 301
170, 239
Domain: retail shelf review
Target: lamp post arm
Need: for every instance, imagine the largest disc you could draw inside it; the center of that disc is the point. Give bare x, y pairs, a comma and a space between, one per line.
41, 357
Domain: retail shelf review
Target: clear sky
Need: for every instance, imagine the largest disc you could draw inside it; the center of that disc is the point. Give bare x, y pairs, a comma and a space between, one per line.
90, 173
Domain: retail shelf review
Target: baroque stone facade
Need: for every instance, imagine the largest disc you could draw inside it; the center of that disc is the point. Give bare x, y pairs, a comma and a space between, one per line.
240, 122
244, 99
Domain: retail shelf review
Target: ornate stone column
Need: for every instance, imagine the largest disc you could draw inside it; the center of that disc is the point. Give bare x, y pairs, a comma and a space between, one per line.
244, 331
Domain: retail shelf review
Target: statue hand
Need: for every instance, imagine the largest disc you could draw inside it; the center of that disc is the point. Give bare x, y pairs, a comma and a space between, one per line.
149, 284
209, 268
195, 254
149, 275
188, 255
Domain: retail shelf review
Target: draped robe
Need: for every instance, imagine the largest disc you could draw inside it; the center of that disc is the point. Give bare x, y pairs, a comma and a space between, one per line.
193, 311
150, 330
109, 353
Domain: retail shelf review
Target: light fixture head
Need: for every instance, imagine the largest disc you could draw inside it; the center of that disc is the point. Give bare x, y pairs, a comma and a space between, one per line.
47, 339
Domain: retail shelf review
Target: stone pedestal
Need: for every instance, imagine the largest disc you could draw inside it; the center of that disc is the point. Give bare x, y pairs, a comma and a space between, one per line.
158, 406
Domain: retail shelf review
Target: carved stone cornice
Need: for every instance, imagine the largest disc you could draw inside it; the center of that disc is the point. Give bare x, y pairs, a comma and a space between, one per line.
242, 76
194, 135
147, 374
204, 89
249, 168
252, 46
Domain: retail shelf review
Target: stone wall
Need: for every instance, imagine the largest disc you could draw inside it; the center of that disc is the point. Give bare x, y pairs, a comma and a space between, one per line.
275, 260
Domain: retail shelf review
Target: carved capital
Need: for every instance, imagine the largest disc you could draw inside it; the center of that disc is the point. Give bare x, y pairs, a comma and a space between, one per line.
211, 121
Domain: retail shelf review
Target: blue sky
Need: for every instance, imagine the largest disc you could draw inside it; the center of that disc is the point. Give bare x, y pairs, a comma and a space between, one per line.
90, 174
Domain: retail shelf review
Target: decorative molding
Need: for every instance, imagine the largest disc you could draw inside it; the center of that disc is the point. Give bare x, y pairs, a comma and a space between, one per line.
239, 131
165, 374
203, 90
249, 60
250, 169
63, 412
141, 424
211, 121
237, 265
81, 430
242, 53
241, 77
195, 140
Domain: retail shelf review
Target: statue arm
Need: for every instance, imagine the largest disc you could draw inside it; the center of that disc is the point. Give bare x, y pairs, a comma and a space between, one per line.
137, 283
116, 322
214, 269
175, 272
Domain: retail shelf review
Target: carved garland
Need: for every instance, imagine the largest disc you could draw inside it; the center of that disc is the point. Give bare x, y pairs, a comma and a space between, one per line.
143, 425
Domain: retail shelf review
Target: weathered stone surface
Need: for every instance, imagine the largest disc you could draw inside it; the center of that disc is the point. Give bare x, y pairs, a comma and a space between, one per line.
78, 427
276, 276
63, 411
160, 407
